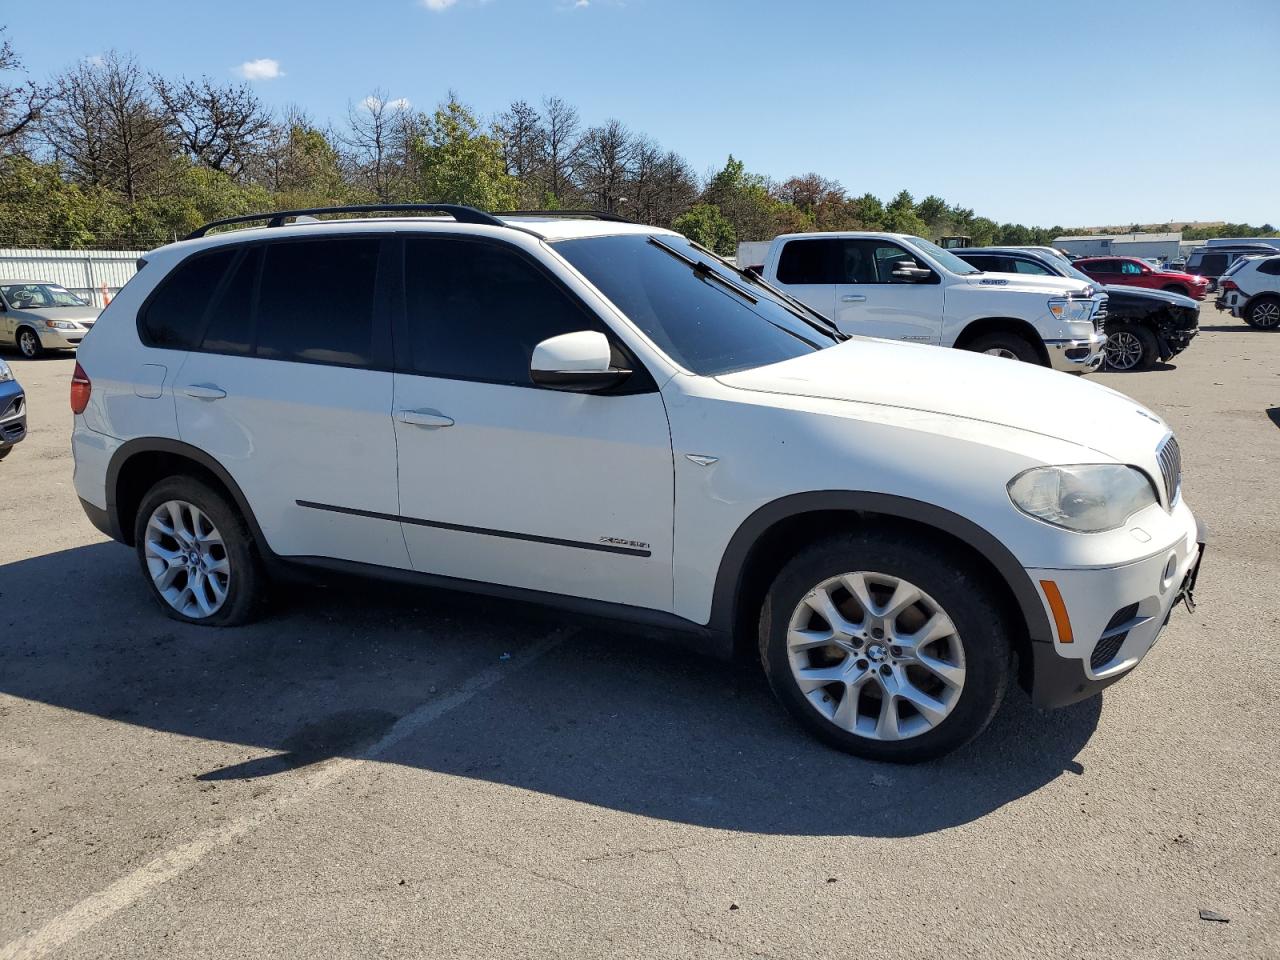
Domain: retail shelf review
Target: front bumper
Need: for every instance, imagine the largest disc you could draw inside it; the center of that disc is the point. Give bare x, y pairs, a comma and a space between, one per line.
52, 339
1116, 615
1077, 356
13, 414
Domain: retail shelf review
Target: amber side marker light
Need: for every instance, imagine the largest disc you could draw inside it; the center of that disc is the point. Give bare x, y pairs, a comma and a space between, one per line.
1060, 618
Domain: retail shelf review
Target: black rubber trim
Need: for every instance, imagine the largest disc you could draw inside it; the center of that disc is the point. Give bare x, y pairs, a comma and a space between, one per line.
482, 531
1058, 681
98, 517
738, 553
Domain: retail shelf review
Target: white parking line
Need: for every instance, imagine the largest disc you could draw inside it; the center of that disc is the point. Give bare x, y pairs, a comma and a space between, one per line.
132, 887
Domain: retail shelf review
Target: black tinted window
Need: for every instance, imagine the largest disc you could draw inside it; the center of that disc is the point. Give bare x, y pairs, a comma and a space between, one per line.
230, 327
1270, 267
983, 262
316, 301
174, 316
477, 310
702, 324
811, 261
1213, 264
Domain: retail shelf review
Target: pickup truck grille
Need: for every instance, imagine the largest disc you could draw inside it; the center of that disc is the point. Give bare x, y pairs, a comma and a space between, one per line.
1100, 317
1169, 456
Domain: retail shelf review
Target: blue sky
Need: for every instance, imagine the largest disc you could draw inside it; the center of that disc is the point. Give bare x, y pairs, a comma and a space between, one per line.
1074, 113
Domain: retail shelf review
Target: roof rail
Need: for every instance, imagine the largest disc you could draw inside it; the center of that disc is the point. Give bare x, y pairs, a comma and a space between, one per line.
277, 218
568, 214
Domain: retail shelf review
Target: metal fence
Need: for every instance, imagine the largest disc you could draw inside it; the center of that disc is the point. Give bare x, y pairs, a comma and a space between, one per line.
96, 275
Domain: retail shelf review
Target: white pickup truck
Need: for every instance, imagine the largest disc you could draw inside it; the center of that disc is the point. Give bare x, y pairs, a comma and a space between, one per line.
900, 287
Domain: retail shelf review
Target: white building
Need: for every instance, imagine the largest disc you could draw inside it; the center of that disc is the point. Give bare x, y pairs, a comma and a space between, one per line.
1162, 246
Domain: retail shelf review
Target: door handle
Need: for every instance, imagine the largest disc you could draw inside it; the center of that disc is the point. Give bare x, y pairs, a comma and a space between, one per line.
431, 419
853, 298
204, 391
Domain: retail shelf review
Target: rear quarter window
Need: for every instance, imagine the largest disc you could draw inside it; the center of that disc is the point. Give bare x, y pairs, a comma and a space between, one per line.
173, 316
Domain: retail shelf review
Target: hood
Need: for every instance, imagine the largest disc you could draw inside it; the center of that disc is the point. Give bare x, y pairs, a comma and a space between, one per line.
1029, 282
78, 314
957, 383
1144, 293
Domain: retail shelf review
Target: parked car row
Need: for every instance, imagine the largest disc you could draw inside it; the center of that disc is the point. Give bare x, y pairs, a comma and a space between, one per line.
1251, 291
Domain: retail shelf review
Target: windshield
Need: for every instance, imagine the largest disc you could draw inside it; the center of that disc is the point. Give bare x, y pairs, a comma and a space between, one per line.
23, 296
697, 310
945, 258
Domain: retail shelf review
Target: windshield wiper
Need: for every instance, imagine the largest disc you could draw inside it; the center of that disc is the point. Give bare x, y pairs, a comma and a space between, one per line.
704, 270
799, 307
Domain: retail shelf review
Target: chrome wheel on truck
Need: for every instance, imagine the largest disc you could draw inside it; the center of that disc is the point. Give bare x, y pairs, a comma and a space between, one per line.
876, 655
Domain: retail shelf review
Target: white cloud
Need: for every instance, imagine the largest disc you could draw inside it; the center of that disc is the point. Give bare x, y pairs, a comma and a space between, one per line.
262, 69
95, 60
373, 103
582, 3
438, 5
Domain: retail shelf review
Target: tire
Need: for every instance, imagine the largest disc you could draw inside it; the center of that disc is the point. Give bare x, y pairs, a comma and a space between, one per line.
1011, 346
1263, 313
1131, 346
28, 343
1176, 288
977, 643
5, 452
235, 565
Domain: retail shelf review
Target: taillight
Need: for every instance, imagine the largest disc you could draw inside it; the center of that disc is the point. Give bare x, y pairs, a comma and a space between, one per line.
1227, 285
81, 389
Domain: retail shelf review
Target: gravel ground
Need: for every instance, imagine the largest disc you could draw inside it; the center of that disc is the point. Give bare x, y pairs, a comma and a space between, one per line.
378, 772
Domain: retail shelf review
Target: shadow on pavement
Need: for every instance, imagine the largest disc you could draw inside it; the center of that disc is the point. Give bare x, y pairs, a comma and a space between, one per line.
607, 717
1273, 414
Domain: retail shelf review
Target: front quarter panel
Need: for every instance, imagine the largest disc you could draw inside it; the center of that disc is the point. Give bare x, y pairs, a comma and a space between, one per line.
768, 446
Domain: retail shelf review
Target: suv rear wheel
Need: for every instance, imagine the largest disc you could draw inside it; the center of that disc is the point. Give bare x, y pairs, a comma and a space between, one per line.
198, 554
885, 646
1007, 345
1264, 313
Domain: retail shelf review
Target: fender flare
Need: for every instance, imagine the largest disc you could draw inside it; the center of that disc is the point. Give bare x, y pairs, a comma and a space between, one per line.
734, 561
131, 448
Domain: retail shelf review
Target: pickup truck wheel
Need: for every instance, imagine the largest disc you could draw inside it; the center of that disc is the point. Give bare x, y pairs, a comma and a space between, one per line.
1264, 313
885, 646
1007, 345
198, 555
1131, 346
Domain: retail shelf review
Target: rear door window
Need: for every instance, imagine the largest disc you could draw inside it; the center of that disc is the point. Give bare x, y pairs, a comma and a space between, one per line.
812, 261
173, 316
1213, 264
1030, 266
317, 301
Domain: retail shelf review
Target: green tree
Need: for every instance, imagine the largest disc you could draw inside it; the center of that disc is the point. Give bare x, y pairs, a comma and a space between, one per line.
703, 223
458, 163
901, 216
869, 212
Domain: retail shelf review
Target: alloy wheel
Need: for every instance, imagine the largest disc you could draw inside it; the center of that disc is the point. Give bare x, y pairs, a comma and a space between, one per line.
1266, 314
1003, 352
1123, 350
187, 559
876, 655
28, 344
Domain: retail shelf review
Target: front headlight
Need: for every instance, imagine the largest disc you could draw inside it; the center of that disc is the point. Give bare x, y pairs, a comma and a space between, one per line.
1086, 497
1071, 310
60, 324
5, 373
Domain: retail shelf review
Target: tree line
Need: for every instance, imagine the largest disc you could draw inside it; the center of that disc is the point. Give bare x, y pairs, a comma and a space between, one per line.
109, 155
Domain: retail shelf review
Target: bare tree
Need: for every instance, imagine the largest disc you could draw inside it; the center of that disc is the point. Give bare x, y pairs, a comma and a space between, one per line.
378, 138
104, 123
561, 146
604, 168
223, 128
20, 102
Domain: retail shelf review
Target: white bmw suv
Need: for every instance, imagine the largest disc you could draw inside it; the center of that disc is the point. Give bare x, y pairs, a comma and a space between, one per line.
605, 416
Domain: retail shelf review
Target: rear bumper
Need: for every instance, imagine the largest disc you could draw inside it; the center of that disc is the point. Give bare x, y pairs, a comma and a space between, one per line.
1077, 356
1116, 614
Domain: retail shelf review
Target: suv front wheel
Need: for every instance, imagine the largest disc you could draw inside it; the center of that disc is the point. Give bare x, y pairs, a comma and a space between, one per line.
198, 554
885, 646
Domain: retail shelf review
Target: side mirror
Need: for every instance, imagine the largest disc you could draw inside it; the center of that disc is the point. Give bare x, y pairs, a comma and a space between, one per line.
579, 362
907, 271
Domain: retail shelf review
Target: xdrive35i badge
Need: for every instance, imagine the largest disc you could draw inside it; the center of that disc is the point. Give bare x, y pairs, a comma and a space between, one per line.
620, 542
